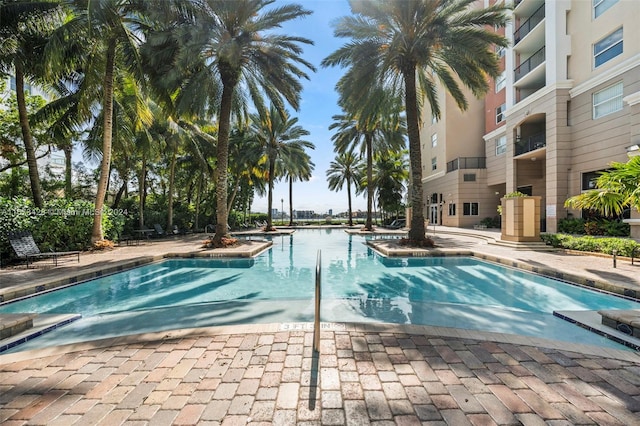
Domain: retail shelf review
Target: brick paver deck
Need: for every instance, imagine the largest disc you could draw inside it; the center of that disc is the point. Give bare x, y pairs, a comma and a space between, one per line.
360, 377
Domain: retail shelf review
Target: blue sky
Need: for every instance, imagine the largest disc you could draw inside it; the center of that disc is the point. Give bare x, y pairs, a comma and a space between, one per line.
319, 104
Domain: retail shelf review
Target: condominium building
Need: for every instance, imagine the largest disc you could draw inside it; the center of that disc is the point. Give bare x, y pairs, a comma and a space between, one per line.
566, 105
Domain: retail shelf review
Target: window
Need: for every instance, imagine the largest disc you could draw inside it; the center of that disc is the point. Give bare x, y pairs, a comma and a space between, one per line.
500, 113
500, 51
501, 81
607, 101
434, 140
607, 48
470, 209
600, 6
589, 180
434, 120
434, 163
501, 145
452, 209
469, 177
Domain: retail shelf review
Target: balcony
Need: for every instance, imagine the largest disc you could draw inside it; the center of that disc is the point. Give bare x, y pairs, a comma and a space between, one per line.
531, 63
530, 143
467, 163
528, 25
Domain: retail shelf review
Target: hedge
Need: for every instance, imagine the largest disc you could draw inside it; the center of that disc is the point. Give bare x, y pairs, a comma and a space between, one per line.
623, 246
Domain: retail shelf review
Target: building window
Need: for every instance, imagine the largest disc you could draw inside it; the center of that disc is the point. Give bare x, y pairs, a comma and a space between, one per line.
500, 113
434, 120
470, 209
600, 6
589, 180
434, 163
608, 48
607, 101
501, 81
434, 140
500, 51
452, 209
501, 145
469, 177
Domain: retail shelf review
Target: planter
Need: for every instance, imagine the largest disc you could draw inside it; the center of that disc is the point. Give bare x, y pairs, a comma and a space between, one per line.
521, 219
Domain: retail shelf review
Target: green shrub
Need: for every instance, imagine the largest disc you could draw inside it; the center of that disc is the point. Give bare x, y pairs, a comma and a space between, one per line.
491, 222
61, 225
571, 226
623, 246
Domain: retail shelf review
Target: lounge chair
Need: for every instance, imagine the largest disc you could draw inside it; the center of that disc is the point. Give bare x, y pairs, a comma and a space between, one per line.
159, 231
26, 248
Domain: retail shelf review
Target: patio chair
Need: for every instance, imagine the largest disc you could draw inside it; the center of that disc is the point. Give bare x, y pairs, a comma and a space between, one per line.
159, 231
26, 248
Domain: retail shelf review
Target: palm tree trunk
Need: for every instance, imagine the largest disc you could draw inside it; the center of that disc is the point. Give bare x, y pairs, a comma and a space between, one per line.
416, 231
349, 198
198, 194
141, 190
368, 140
223, 162
272, 168
118, 197
68, 153
34, 177
172, 175
107, 111
290, 200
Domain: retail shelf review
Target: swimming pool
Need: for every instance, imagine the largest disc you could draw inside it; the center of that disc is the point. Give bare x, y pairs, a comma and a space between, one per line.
358, 286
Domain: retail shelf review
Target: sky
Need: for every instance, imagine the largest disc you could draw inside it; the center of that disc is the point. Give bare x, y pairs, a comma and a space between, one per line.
319, 104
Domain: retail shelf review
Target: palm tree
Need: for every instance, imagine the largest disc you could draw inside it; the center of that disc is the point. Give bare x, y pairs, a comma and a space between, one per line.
238, 56
391, 172
345, 169
618, 188
103, 38
297, 165
23, 30
407, 44
279, 137
373, 124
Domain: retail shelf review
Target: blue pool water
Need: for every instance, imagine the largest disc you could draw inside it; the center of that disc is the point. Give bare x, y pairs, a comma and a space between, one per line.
358, 285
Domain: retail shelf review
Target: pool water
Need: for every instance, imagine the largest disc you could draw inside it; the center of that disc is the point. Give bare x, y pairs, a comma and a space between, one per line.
358, 285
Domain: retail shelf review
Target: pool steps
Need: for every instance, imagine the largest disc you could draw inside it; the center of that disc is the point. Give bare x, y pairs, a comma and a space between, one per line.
594, 322
36, 325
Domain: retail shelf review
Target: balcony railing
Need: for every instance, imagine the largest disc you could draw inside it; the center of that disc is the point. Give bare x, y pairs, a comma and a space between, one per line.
532, 62
530, 143
467, 163
528, 25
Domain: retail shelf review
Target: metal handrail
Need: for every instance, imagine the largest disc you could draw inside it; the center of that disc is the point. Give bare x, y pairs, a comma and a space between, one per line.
316, 323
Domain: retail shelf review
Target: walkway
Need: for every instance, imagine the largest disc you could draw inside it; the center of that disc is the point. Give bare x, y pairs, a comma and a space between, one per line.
364, 374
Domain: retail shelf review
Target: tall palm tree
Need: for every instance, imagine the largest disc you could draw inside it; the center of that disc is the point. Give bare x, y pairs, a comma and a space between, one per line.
23, 30
391, 173
408, 44
617, 188
239, 56
280, 137
372, 126
101, 37
297, 165
346, 168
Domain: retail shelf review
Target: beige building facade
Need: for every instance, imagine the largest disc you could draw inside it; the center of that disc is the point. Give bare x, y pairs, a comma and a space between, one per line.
565, 107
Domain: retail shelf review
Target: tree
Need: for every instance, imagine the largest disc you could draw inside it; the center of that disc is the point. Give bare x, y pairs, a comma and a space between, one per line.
407, 44
297, 165
391, 172
373, 125
279, 137
23, 30
237, 56
617, 188
345, 168
103, 38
